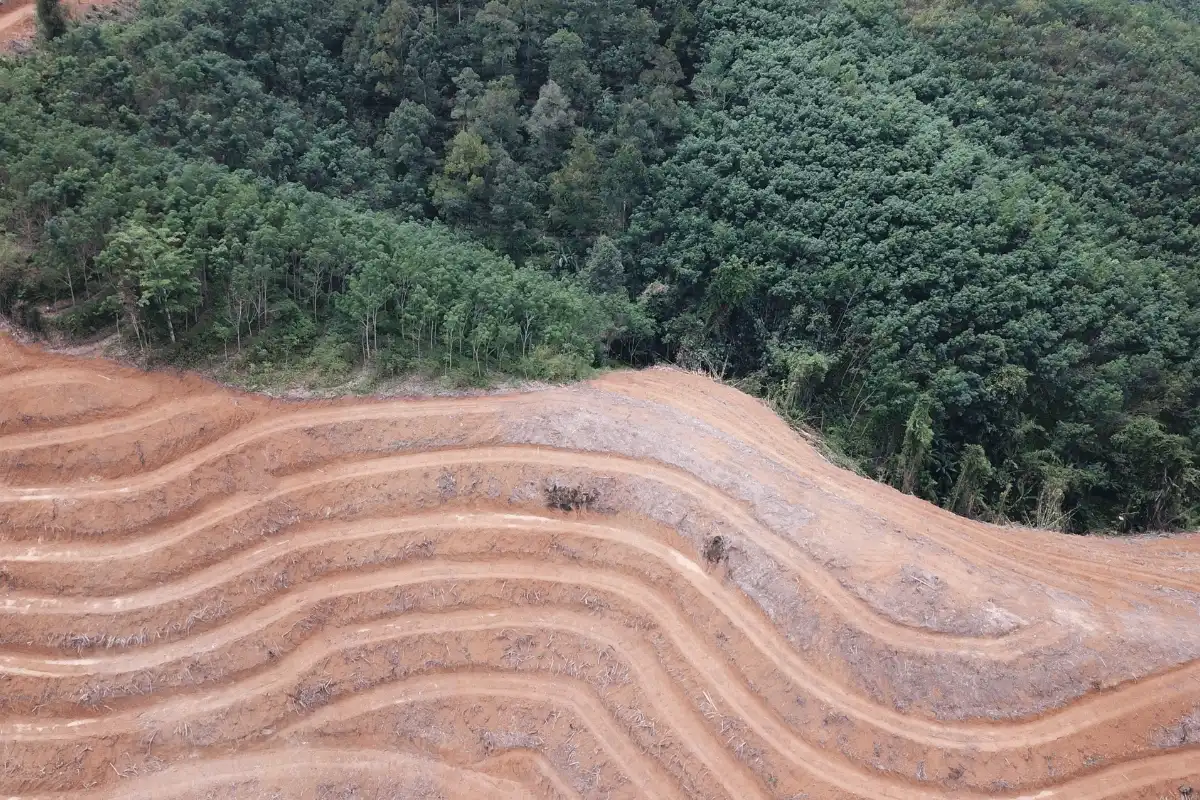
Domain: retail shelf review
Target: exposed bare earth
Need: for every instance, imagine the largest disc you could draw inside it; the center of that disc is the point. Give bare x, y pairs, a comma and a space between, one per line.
18, 21
15, 14
212, 595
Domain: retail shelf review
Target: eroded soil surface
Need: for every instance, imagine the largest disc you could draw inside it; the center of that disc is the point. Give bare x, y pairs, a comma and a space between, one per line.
645, 586
18, 20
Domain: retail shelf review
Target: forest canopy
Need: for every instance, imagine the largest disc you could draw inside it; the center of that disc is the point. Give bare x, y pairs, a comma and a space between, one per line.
959, 239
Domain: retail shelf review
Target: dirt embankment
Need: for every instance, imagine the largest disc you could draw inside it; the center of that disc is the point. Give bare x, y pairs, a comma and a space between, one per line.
18, 19
645, 586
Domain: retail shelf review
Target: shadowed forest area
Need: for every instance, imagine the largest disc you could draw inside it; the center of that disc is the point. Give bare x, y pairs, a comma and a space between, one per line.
958, 239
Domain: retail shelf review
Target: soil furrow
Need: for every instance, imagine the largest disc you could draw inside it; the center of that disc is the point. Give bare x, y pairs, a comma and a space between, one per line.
982, 737
313, 764
645, 586
849, 606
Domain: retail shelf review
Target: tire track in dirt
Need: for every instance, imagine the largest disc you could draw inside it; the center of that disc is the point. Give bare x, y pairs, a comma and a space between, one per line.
568, 692
1104, 784
644, 773
48, 398
125, 424
981, 737
850, 607
314, 764
51, 376
286, 421
533, 762
56, 378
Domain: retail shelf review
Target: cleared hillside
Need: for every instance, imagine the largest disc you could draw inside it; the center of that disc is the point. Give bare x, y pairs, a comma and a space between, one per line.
645, 586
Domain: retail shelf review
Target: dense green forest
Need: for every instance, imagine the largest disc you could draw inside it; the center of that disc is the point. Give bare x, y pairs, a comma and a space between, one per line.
960, 239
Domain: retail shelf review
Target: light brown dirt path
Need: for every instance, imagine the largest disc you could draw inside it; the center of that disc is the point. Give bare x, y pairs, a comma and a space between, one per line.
643, 587
13, 15
18, 23
298, 767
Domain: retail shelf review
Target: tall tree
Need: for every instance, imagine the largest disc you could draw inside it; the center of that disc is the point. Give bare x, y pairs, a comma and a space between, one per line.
603, 271
497, 36
51, 18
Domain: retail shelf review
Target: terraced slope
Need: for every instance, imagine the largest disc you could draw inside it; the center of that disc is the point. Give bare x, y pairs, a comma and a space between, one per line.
646, 586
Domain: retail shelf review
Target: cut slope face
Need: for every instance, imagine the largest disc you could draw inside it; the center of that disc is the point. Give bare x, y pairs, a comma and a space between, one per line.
18, 19
16, 14
645, 586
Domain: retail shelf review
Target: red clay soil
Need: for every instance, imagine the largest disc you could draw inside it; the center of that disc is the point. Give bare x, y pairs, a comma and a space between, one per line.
18, 22
645, 586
